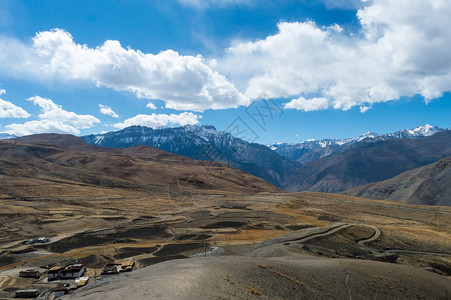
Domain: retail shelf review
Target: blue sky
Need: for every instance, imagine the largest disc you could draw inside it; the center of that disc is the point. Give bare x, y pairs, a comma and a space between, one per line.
335, 68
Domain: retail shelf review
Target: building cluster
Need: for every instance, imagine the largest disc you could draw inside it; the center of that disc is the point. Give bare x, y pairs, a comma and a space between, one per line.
68, 277
65, 288
66, 272
58, 272
113, 268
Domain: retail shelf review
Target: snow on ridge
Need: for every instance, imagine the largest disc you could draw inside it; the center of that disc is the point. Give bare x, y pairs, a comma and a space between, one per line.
418, 132
207, 133
98, 139
6, 136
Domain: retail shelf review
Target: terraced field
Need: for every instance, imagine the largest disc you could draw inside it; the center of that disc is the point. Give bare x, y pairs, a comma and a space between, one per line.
266, 225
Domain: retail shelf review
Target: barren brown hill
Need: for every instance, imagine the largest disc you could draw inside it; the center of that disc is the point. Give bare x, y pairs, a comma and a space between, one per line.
65, 141
262, 229
143, 204
299, 277
429, 185
42, 161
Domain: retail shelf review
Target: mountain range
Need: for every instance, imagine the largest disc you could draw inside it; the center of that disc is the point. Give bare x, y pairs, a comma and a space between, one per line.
55, 164
369, 162
7, 136
207, 144
429, 185
330, 165
312, 150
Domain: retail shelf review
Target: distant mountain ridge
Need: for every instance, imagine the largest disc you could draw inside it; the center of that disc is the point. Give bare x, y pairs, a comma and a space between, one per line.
369, 162
312, 150
207, 144
327, 165
7, 136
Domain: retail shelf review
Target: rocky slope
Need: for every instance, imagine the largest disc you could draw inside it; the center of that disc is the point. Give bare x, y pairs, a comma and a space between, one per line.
204, 143
66, 159
369, 162
300, 277
430, 185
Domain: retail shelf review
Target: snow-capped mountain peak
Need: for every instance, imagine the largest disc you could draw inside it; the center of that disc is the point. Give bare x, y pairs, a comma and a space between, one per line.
423, 128
204, 143
367, 135
426, 130
310, 150
418, 132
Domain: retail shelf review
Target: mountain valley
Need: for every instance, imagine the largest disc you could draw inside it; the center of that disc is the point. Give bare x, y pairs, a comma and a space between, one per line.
322, 166
168, 212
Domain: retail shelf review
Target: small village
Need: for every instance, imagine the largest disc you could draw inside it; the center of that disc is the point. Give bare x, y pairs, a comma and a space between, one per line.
57, 276
57, 280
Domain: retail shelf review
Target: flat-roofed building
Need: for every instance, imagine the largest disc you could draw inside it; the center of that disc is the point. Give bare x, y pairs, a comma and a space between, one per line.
72, 271
54, 272
30, 274
32, 293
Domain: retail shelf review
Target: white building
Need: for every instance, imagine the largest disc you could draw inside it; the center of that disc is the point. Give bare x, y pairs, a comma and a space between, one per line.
72, 271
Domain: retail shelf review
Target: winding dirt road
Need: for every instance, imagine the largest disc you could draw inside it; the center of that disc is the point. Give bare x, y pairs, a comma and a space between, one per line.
375, 236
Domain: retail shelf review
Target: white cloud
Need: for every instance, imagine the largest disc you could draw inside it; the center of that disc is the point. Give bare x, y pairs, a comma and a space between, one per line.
150, 105
308, 104
55, 112
402, 50
53, 118
106, 110
183, 82
9, 110
364, 109
40, 126
161, 120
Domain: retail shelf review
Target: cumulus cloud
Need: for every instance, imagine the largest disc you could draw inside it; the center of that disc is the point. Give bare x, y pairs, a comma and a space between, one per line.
150, 105
402, 50
308, 104
106, 110
53, 118
183, 82
9, 110
161, 120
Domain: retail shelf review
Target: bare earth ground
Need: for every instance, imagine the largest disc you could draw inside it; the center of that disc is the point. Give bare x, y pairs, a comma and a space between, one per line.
273, 278
303, 230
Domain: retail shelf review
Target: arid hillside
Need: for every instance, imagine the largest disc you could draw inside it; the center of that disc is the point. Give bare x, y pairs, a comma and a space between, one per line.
429, 185
56, 165
145, 205
310, 243
369, 162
